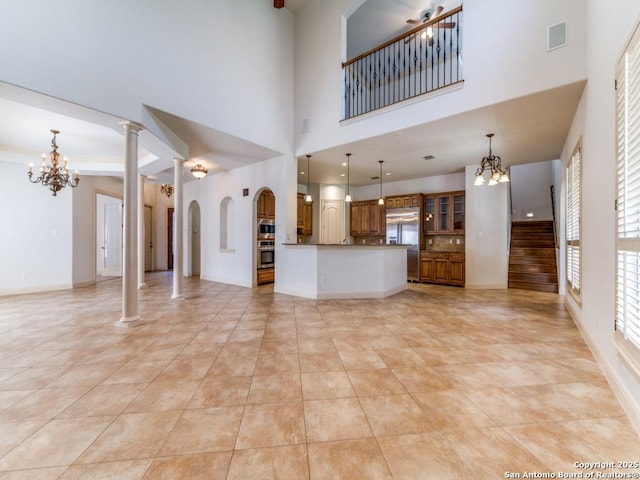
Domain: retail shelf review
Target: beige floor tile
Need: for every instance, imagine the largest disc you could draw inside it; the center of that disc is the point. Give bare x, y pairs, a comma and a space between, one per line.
272, 463
451, 409
85, 375
128, 470
186, 369
161, 396
269, 363
131, 436
435, 370
221, 392
424, 456
372, 383
205, 466
335, 419
275, 388
352, 459
58, 443
13, 433
34, 474
320, 362
42, 404
105, 400
490, 452
204, 430
422, 379
136, 372
395, 415
270, 425
361, 360
321, 385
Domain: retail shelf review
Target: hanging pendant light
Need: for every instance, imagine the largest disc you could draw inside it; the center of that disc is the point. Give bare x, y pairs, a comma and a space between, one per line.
493, 164
307, 197
347, 198
381, 199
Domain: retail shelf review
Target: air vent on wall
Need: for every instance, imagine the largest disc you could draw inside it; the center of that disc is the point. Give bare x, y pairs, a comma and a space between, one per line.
556, 36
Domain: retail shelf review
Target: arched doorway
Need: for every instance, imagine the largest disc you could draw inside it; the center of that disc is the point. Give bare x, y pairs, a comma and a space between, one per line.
194, 240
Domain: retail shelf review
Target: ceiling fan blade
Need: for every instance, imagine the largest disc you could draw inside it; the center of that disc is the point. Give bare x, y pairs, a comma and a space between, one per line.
437, 11
413, 21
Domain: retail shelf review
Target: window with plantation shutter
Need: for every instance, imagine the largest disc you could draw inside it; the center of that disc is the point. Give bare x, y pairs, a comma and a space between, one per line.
573, 222
628, 202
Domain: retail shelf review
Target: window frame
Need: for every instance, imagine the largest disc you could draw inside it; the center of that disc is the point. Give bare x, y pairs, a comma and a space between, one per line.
627, 206
573, 224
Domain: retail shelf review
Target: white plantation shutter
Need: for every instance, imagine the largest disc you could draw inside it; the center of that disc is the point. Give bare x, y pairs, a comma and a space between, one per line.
574, 168
628, 201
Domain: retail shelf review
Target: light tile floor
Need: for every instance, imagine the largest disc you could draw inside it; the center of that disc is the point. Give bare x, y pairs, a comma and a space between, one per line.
433, 383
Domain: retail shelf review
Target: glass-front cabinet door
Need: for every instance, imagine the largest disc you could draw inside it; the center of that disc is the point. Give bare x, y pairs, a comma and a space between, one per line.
458, 213
429, 214
444, 214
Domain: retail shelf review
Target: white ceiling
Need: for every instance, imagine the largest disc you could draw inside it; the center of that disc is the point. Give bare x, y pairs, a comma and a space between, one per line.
527, 130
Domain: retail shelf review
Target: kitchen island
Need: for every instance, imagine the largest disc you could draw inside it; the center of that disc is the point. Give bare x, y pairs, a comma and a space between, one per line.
321, 271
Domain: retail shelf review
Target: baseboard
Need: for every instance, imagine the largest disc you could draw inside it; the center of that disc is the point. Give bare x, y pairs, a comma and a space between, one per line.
39, 289
484, 286
213, 278
86, 283
631, 408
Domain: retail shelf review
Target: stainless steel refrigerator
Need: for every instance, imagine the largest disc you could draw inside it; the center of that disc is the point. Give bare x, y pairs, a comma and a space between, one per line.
403, 228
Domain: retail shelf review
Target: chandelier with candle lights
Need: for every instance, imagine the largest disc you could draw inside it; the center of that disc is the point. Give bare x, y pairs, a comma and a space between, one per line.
53, 175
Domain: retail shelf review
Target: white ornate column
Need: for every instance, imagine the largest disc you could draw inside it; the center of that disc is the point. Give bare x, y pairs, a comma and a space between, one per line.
141, 233
130, 315
178, 254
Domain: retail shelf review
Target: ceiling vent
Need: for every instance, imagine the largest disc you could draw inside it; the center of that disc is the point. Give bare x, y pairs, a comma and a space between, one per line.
556, 36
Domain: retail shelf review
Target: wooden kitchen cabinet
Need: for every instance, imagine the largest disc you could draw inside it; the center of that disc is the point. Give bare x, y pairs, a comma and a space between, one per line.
304, 217
367, 218
403, 201
265, 275
444, 213
442, 267
266, 207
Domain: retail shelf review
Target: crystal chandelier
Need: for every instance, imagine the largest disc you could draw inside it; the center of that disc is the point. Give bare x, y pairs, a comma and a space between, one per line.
166, 189
53, 176
492, 162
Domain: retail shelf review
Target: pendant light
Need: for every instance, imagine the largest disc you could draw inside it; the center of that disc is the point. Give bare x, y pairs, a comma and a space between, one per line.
381, 199
308, 198
347, 198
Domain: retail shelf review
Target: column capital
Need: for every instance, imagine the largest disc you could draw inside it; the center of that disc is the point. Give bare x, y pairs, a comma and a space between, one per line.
132, 127
178, 160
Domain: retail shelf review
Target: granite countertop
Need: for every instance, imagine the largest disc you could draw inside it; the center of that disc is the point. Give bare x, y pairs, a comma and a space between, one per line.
343, 245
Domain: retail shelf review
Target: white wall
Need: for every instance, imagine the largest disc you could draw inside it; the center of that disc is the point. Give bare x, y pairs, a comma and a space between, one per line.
530, 184
84, 224
224, 64
611, 22
486, 233
517, 56
436, 184
37, 243
238, 266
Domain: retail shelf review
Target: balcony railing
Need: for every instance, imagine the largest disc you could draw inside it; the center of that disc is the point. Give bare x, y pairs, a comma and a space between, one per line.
424, 59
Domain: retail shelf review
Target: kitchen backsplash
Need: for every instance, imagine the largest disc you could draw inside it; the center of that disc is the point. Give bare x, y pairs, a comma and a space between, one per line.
444, 243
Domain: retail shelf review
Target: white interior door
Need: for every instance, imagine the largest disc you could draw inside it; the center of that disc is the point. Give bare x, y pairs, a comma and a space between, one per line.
108, 236
332, 221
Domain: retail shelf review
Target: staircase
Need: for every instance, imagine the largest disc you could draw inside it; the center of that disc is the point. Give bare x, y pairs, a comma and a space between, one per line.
532, 258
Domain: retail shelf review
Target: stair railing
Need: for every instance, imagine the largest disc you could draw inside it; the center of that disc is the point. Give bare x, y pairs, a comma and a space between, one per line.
553, 212
425, 58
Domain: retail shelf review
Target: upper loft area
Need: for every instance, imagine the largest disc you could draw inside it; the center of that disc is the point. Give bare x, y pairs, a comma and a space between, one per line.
426, 58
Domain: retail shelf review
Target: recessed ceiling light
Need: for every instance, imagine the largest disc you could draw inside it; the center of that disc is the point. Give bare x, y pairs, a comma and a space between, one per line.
388, 173
343, 174
344, 164
301, 173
